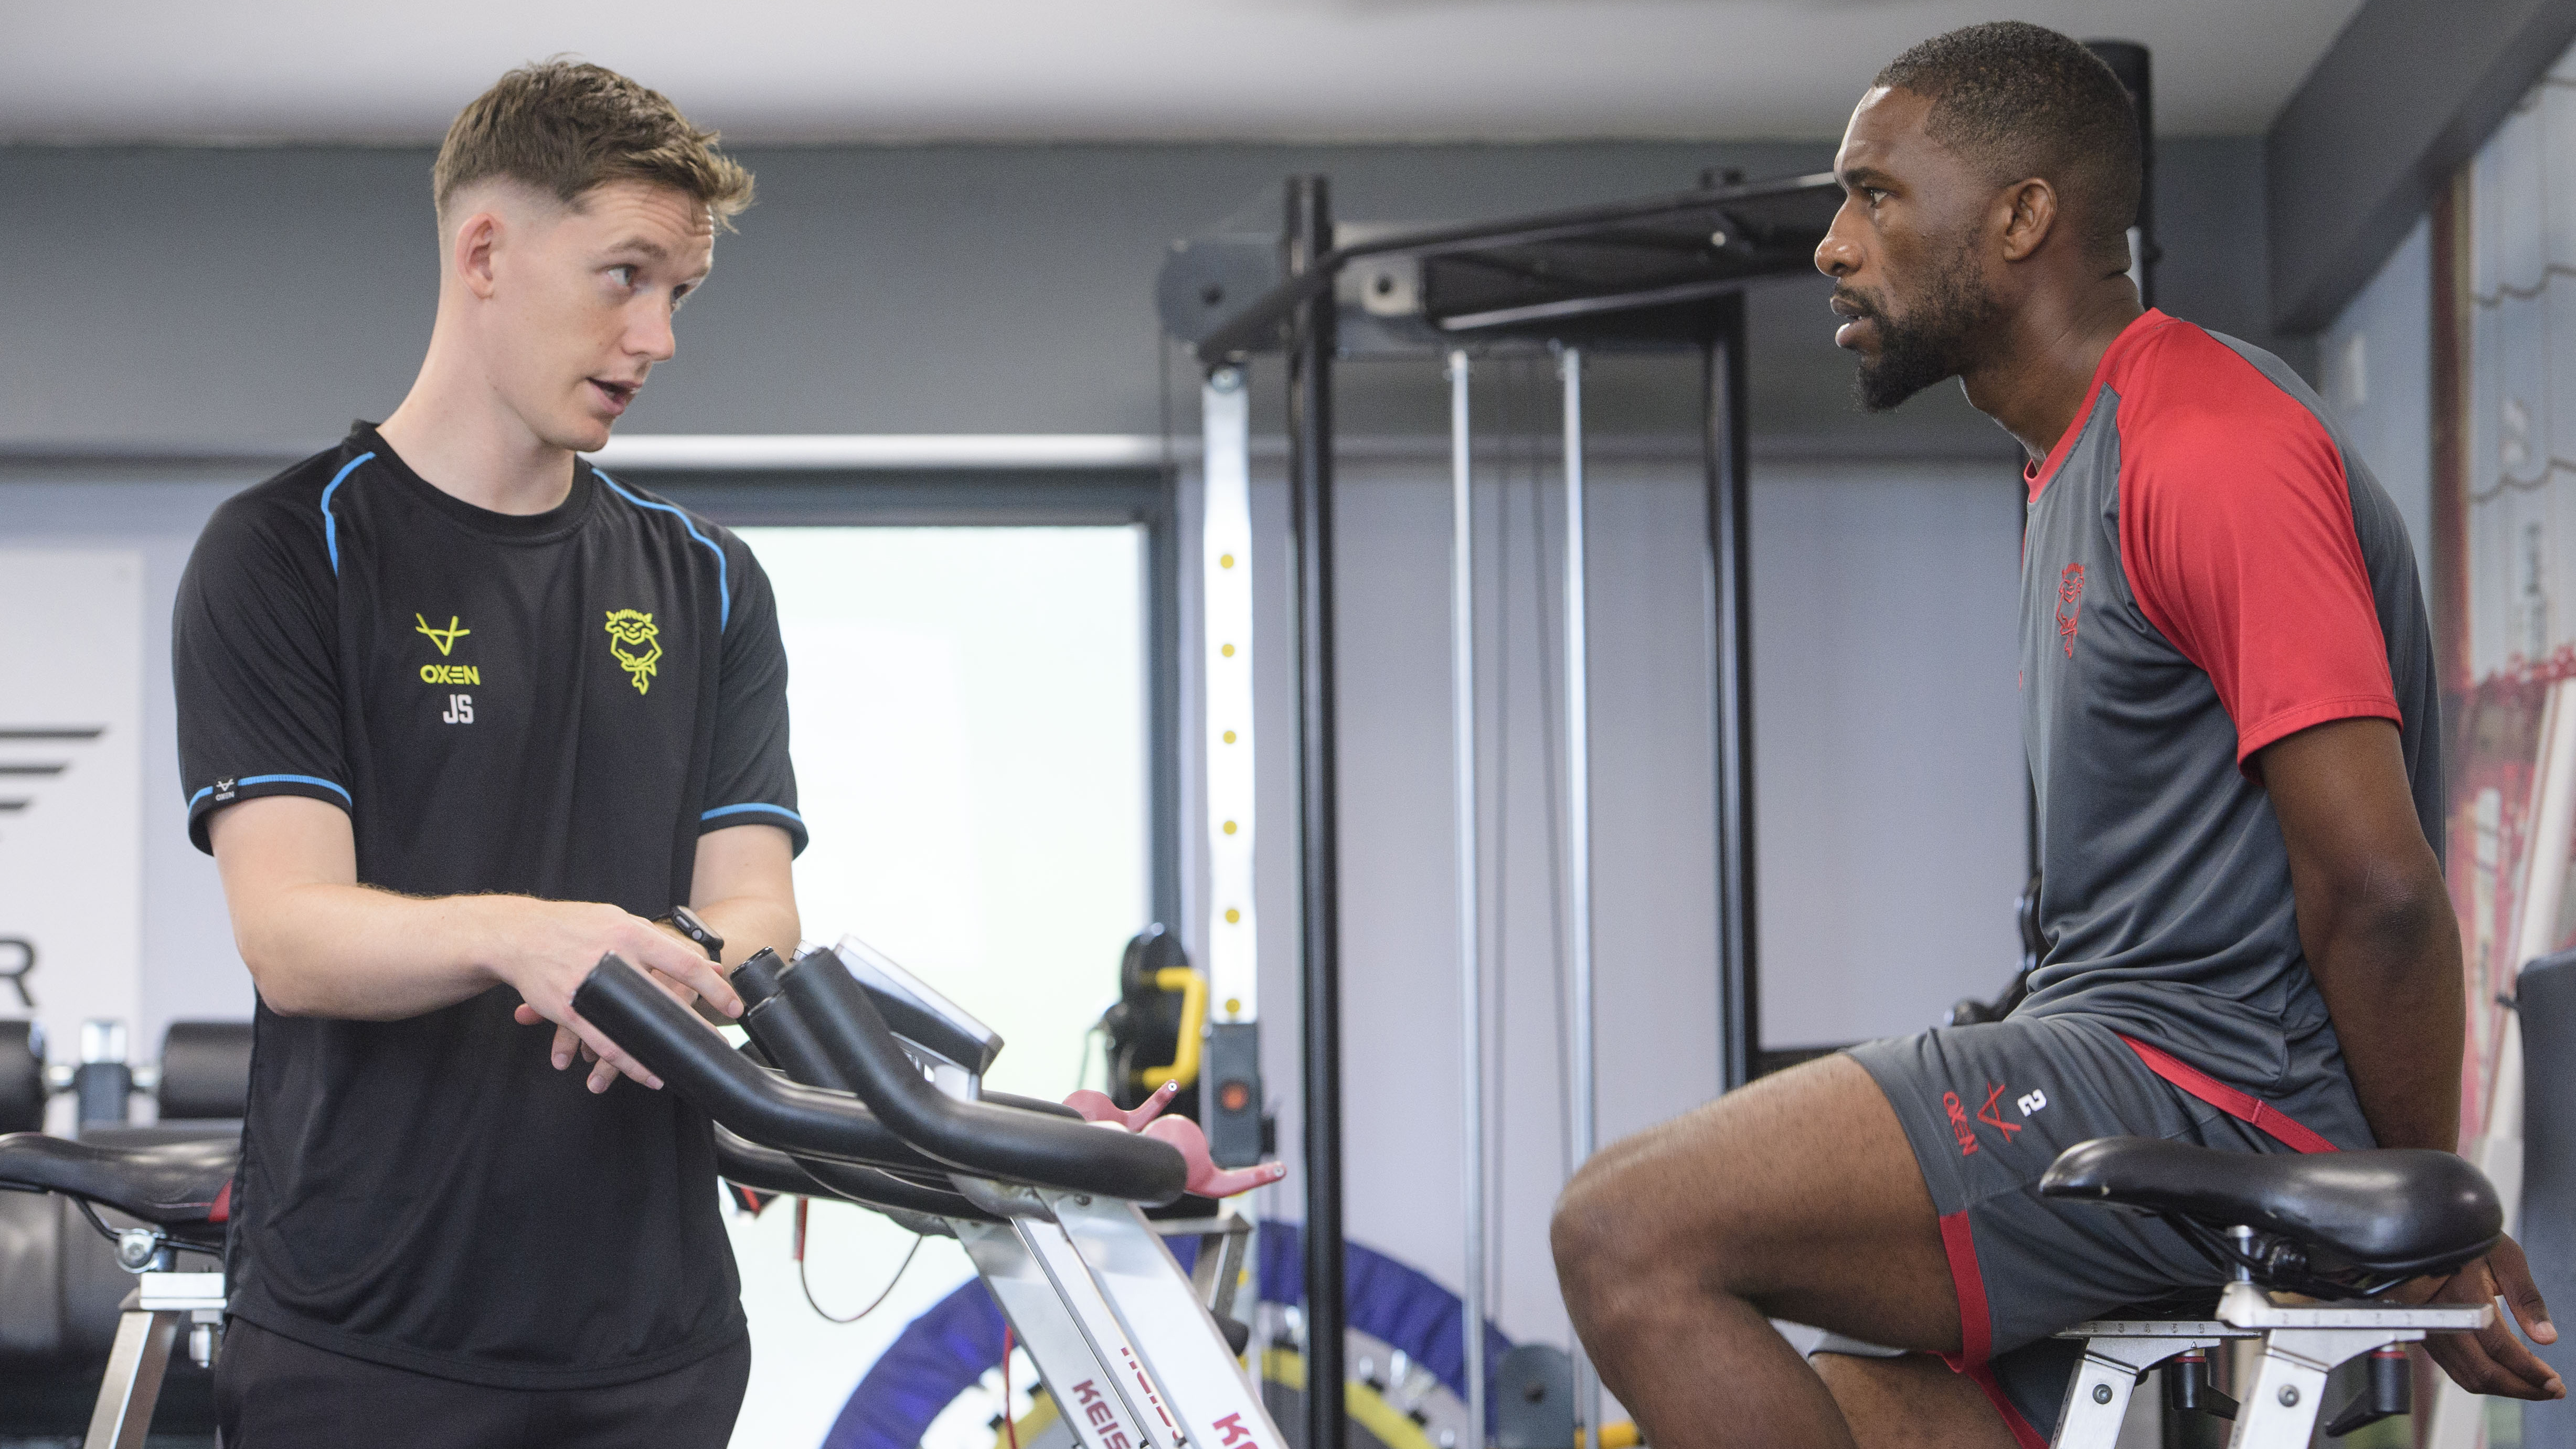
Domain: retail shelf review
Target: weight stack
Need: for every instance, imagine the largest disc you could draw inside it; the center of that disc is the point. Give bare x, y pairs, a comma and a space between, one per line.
2546, 992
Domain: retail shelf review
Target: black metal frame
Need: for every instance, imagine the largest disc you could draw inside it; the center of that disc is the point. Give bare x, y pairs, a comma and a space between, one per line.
1307, 252
1662, 273
1000, 498
1726, 413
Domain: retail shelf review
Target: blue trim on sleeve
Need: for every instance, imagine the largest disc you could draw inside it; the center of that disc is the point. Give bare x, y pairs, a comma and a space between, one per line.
331, 536
206, 790
739, 809
724, 592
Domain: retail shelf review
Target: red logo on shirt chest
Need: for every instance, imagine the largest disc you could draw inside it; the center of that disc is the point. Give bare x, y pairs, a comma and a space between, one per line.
2070, 590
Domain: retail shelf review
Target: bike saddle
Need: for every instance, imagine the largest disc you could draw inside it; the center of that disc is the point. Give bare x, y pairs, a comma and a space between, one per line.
2387, 1213
182, 1188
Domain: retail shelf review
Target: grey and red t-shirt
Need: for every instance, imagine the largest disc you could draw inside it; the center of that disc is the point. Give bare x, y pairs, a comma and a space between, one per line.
2207, 569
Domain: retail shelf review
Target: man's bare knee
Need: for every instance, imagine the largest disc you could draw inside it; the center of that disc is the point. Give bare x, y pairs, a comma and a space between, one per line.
1600, 1233
1644, 1221
1739, 1200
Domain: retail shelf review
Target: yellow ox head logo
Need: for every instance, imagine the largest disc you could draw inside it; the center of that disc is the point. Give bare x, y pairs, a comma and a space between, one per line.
636, 643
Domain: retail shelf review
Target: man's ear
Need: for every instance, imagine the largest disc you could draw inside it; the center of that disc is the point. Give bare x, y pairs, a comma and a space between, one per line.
2030, 215
477, 238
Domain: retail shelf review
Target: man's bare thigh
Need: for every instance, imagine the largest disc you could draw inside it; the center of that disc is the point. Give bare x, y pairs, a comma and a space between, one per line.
1797, 1193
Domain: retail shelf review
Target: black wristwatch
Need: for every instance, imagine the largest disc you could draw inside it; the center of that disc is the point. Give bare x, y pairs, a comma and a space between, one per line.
686, 922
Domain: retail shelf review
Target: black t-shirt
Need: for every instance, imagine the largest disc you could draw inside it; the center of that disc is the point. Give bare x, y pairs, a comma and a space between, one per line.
555, 705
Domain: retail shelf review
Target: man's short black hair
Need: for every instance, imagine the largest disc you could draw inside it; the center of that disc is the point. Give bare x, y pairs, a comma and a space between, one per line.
2019, 100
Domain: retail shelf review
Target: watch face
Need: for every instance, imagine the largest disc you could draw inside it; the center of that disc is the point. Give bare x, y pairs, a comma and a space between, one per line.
686, 922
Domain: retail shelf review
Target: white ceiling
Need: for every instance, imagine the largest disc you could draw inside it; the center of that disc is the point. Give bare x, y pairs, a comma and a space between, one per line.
870, 70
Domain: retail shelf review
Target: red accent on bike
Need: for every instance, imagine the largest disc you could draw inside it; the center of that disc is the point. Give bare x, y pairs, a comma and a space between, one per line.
1206, 1178
1096, 1106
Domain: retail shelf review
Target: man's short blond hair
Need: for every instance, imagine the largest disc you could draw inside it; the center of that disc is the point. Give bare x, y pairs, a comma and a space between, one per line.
565, 127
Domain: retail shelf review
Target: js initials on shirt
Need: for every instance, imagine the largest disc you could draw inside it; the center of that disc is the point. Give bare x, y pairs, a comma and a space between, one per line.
460, 707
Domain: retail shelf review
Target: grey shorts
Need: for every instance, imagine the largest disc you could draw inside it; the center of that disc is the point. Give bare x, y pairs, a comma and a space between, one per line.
1987, 1108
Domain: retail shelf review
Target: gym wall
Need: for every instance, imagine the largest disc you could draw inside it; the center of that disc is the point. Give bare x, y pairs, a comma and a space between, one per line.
216, 300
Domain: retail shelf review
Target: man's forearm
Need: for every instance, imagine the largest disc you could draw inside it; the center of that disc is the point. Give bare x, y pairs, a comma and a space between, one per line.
2390, 975
369, 955
750, 922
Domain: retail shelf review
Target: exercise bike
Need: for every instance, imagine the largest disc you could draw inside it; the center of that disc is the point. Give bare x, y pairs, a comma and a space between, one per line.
867, 1086
2336, 1230
178, 1195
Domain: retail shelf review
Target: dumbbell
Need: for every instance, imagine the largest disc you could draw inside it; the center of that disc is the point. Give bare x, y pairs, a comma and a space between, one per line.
204, 1073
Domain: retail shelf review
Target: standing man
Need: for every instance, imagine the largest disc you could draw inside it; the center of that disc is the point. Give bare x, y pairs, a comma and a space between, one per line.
460, 714
2230, 709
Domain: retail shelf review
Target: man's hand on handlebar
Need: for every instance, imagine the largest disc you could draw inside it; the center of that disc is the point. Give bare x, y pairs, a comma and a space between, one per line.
556, 945
2495, 1360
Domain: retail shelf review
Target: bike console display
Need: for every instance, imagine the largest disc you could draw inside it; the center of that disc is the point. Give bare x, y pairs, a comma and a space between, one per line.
914, 1011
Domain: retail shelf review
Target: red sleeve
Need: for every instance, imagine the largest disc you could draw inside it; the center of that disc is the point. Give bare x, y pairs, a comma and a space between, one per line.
2236, 533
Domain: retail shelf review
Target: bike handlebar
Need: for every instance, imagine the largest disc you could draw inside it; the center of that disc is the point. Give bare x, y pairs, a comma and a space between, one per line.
989, 1140
807, 1121
739, 1159
787, 1039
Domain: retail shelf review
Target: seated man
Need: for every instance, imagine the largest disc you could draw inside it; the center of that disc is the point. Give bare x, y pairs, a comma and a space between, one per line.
2231, 715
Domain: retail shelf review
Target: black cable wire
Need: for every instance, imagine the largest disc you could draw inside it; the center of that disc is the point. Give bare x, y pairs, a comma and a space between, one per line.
807, 1287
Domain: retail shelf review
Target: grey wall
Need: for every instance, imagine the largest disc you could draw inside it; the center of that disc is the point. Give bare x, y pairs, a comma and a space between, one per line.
215, 299
2375, 370
189, 968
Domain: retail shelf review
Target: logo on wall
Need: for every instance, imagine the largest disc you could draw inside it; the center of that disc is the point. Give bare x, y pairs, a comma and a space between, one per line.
17, 971
637, 645
21, 783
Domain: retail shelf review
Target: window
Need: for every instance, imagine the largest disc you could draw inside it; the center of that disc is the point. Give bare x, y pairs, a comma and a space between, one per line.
973, 745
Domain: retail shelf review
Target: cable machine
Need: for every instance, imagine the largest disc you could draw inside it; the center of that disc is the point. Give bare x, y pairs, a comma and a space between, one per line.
1659, 274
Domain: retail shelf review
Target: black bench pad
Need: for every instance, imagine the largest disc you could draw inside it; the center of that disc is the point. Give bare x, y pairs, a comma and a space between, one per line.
181, 1186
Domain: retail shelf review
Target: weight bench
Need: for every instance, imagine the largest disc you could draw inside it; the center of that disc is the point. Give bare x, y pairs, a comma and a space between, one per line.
2336, 1229
179, 1194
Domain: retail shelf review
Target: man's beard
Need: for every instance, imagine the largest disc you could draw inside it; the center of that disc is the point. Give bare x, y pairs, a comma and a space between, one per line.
1935, 341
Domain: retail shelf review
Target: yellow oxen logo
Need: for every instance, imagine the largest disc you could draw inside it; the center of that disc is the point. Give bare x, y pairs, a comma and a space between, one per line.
636, 643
